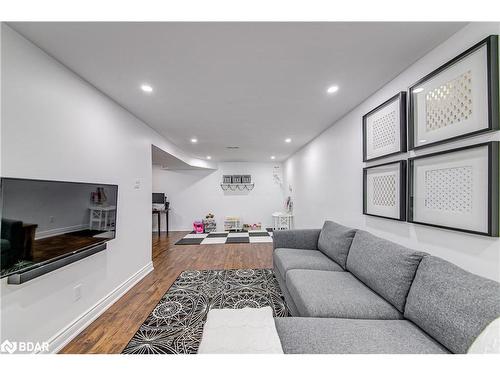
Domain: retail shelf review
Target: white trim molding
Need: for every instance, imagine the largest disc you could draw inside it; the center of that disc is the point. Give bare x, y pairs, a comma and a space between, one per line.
59, 231
68, 333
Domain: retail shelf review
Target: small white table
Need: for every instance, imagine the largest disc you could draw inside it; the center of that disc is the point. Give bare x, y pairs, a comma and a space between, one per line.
103, 216
282, 221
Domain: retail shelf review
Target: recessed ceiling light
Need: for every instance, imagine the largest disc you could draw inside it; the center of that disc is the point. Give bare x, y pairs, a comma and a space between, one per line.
418, 89
332, 89
288, 140
146, 88
209, 157
273, 157
194, 140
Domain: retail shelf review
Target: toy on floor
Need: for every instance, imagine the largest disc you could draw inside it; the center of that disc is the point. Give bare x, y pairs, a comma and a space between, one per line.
257, 226
198, 226
209, 223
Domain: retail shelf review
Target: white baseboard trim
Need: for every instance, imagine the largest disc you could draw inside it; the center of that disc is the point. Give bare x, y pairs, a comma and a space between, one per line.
173, 230
59, 231
68, 333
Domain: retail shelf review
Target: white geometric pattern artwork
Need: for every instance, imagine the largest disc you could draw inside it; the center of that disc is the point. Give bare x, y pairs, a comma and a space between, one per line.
456, 189
384, 130
449, 189
384, 190
449, 103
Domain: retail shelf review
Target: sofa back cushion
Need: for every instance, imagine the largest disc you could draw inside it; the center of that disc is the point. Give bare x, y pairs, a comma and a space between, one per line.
450, 304
384, 266
335, 240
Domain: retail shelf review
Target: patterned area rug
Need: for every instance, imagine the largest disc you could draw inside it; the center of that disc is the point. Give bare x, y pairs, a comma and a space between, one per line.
175, 325
252, 236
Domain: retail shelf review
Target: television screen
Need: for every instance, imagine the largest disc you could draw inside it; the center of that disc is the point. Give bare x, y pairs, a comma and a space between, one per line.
159, 198
47, 220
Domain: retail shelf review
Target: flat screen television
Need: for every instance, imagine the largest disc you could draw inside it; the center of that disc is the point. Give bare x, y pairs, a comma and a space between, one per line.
159, 198
46, 221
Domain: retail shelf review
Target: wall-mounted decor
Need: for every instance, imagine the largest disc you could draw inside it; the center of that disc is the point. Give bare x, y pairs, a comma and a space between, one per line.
456, 189
237, 182
277, 174
458, 99
384, 129
384, 190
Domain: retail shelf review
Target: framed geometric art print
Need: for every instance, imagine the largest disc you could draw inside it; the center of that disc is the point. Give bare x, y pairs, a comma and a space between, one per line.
384, 129
384, 190
456, 189
457, 100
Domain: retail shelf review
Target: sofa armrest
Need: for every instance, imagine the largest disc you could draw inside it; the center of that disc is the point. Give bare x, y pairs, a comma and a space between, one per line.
12, 231
296, 239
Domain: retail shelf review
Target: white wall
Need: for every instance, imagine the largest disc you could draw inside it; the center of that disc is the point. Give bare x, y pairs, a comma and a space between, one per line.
56, 126
326, 175
194, 193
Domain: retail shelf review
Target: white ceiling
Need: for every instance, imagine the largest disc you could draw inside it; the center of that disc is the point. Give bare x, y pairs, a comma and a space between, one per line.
238, 84
169, 161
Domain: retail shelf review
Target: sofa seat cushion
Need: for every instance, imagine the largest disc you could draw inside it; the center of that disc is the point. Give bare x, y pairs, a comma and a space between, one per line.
384, 266
288, 259
335, 240
450, 304
351, 336
292, 309
327, 294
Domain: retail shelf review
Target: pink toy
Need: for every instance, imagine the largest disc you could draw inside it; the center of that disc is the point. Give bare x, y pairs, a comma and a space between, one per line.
198, 227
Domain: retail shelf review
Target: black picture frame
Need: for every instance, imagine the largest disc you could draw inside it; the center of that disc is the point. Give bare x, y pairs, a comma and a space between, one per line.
401, 96
491, 43
493, 188
402, 190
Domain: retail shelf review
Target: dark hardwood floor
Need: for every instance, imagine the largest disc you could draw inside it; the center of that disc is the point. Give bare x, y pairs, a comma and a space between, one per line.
54, 246
111, 332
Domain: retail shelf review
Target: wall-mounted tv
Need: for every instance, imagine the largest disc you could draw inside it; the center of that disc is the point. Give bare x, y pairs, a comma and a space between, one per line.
44, 224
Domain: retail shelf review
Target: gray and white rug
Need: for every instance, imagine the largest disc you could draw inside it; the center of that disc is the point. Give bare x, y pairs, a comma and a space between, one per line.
176, 324
251, 236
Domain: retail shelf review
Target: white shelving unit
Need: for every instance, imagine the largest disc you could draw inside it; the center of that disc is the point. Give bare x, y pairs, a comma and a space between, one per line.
282, 221
232, 223
102, 217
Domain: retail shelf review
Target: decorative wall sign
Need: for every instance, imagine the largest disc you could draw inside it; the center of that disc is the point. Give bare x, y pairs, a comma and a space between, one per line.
458, 99
456, 189
246, 179
384, 190
237, 182
384, 129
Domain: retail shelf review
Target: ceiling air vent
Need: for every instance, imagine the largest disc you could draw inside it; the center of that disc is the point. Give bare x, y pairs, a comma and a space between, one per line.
233, 147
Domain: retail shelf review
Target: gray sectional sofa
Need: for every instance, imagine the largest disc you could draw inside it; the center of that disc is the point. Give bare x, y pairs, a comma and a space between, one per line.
352, 292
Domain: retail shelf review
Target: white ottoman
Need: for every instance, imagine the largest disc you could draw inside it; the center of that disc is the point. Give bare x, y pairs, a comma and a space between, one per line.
240, 331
